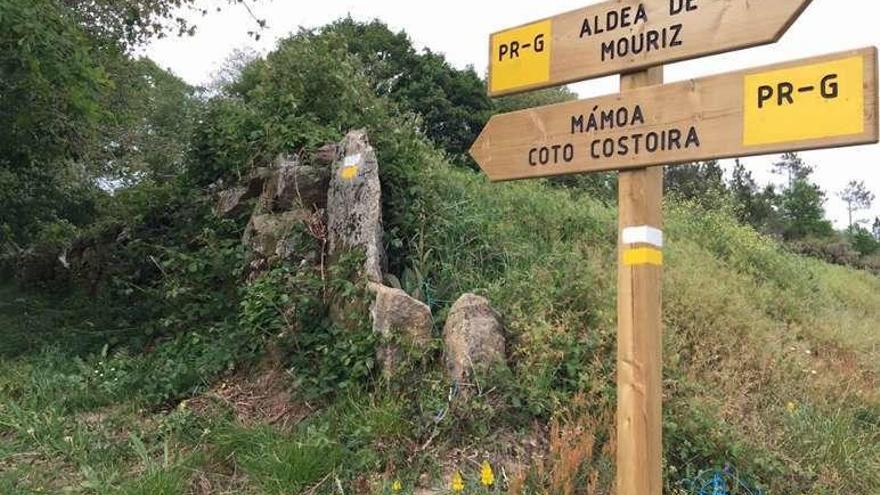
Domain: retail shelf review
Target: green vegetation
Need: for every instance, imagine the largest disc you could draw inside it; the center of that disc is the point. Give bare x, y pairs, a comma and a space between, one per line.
771, 360
151, 360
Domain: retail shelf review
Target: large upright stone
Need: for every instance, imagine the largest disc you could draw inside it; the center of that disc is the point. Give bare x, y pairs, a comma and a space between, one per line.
354, 204
473, 336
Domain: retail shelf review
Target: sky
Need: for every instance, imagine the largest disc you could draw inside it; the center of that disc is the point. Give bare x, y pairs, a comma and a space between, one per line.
460, 29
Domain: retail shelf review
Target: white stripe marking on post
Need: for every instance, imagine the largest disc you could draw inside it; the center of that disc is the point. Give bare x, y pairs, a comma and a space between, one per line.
643, 235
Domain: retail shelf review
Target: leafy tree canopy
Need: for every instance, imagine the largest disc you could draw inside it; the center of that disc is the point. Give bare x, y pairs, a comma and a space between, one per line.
51, 90
453, 103
699, 181
754, 206
864, 241
133, 22
76, 110
804, 212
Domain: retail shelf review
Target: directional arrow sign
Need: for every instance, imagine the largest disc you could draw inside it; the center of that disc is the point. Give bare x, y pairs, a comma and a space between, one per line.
623, 35
815, 103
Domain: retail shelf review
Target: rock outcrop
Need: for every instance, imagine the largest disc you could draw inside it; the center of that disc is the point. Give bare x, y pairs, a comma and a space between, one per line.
354, 204
400, 320
295, 186
267, 235
473, 337
257, 180
338, 184
234, 201
292, 198
325, 156
231, 202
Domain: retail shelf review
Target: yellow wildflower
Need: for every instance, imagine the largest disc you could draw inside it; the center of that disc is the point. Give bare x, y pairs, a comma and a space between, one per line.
397, 486
487, 477
457, 482
791, 407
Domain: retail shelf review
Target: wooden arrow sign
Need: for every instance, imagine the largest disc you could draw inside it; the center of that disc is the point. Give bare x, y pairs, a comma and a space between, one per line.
623, 35
821, 102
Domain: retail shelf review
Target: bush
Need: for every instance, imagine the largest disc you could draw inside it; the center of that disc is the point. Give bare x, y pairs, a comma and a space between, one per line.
831, 249
308, 92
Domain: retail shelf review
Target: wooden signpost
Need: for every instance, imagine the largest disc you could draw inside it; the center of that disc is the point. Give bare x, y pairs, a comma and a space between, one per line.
624, 35
821, 102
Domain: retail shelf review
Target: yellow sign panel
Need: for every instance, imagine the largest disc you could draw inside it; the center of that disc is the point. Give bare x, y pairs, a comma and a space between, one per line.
521, 56
814, 101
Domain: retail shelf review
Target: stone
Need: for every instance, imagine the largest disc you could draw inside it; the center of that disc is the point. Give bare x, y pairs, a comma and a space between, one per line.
326, 155
295, 186
398, 317
473, 337
266, 234
231, 202
354, 204
257, 180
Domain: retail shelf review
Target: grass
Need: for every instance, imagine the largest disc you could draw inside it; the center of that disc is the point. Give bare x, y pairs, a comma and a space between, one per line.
770, 366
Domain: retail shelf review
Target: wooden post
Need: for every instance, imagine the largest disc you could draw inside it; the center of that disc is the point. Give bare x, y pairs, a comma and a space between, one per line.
640, 343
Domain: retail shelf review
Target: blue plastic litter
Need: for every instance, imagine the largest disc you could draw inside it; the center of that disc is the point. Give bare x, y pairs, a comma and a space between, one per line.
720, 482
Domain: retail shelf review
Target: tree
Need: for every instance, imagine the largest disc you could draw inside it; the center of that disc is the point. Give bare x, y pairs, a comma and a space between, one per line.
307, 92
699, 181
77, 111
230, 72
51, 84
857, 197
804, 212
802, 202
133, 22
877, 228
452, 103
793, 167
863, 241
753, 205
743, 189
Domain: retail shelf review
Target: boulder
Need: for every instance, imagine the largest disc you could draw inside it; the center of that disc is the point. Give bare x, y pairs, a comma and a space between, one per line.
399, 318
231, 202
326, 155
473, 337
267, 235
257, 180
295, 186
354, 204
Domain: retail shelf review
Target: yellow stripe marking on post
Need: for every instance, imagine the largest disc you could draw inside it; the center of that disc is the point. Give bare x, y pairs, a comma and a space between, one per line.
643, 256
